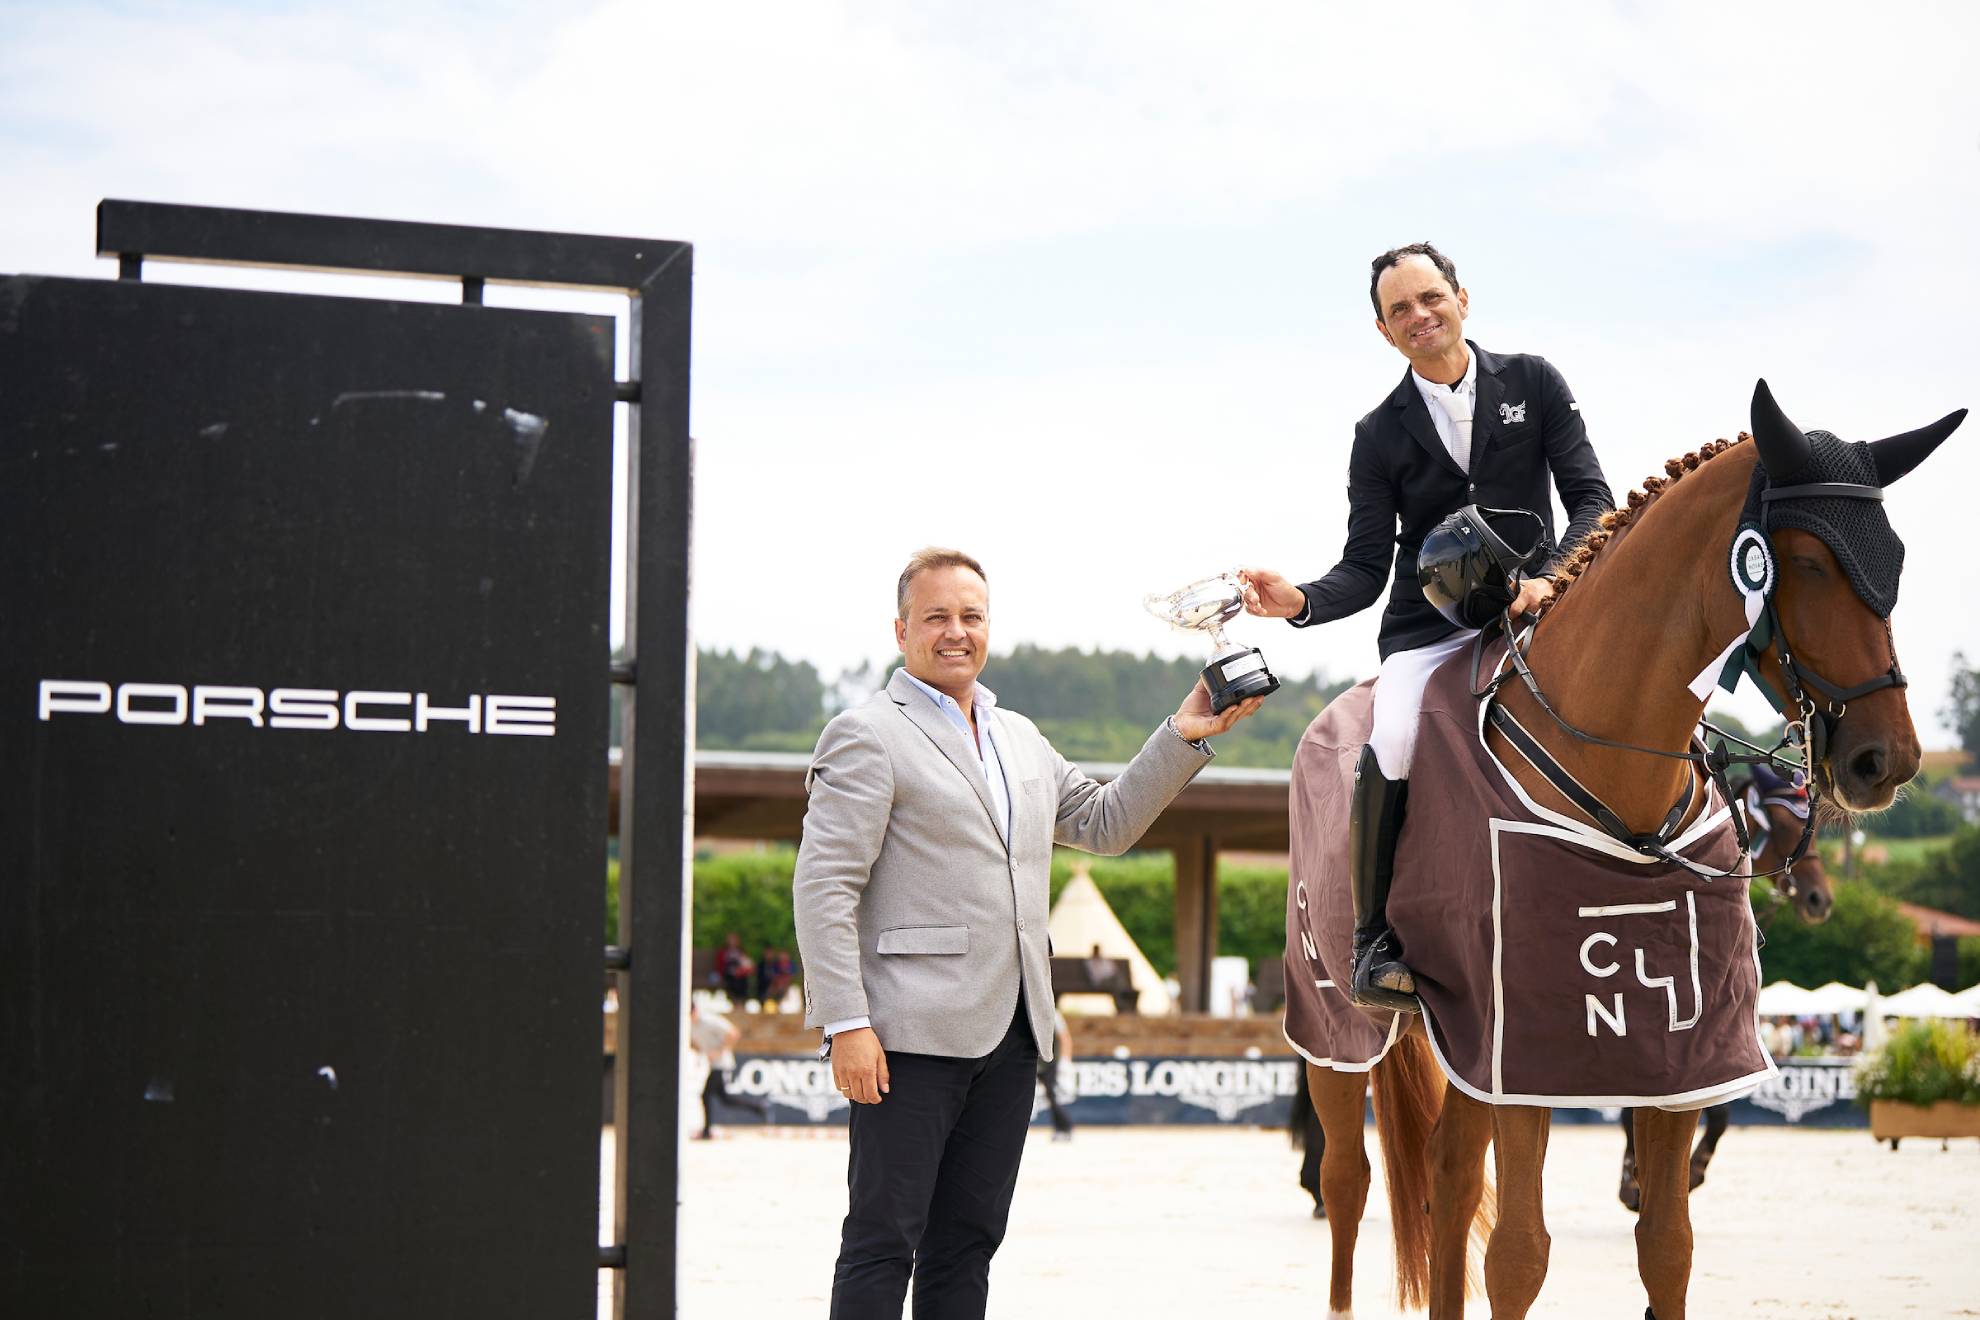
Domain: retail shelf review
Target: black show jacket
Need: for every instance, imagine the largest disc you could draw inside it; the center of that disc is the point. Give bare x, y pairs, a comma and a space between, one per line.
1525, 426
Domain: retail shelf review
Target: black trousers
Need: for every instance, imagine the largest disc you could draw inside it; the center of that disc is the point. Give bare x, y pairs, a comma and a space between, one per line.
931, 1171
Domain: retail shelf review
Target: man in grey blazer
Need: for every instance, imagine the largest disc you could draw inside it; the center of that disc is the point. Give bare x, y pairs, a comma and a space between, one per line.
921, 897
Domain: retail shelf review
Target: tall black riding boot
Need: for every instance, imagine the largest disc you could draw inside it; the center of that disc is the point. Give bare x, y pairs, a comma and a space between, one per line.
1380, 979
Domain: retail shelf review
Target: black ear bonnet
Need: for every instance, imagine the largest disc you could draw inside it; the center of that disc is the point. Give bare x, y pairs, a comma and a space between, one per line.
1857, 531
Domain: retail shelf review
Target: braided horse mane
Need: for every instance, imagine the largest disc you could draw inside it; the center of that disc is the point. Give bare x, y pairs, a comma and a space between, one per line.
1617, 521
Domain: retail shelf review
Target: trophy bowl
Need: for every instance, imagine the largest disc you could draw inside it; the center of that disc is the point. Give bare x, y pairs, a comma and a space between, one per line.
1206, 605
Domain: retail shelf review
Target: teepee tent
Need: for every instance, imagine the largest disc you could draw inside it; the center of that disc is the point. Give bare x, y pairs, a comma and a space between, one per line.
1081, 920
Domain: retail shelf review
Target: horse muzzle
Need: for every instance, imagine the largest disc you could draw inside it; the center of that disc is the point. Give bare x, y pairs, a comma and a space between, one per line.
1865, 768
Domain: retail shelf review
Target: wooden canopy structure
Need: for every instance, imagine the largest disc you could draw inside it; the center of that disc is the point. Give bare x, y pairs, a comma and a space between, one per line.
760, 796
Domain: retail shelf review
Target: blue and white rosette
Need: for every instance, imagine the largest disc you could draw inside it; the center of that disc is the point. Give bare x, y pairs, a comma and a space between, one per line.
1753, 574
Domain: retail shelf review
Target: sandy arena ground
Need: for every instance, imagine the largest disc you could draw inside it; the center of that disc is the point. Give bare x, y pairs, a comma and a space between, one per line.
1202, 1222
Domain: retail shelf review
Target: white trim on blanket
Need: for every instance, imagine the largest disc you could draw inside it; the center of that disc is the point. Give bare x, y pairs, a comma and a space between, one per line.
1696, 1099
1341, 1065
1498, 1095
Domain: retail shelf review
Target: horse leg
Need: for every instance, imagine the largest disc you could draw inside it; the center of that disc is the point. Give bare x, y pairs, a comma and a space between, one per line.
1716, 1119
1629, 1192
1457, 1163
1338, 1098
1516, 1259
1663, 1232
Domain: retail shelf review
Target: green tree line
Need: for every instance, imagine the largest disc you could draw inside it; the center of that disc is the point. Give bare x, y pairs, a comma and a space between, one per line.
1093, 705
1866, 938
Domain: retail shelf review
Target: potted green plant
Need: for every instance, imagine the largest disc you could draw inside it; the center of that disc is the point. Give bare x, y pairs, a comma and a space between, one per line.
1924, 1082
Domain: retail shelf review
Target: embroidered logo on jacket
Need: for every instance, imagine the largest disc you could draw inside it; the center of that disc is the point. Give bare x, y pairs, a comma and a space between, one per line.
1512, 412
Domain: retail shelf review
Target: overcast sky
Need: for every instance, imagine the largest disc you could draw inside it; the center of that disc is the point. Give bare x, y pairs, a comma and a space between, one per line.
1082, 287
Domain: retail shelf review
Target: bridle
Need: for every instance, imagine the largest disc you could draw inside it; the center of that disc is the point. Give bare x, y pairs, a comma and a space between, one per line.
1807, 734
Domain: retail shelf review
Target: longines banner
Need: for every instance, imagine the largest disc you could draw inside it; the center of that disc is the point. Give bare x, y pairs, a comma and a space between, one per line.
1249, 1092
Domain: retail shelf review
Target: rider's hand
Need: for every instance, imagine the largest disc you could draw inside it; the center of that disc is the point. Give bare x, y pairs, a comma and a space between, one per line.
1532, 592
1270, 595
1195, 722
859, 1066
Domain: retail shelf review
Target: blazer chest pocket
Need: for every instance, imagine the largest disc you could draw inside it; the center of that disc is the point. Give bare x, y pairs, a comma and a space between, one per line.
924, 939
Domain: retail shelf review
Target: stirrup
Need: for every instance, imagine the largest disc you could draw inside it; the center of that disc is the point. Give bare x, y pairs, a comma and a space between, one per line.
1375, 961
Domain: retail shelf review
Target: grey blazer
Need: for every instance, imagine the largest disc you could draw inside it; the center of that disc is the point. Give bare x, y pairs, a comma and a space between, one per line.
911, 910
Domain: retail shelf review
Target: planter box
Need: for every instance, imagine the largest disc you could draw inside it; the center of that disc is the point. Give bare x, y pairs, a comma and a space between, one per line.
1891, 1119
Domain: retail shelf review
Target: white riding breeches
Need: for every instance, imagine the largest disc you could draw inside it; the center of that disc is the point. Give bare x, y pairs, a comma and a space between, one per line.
1399, 697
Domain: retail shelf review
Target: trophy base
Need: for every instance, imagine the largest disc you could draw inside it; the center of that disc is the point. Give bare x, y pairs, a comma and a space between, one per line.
1233, 677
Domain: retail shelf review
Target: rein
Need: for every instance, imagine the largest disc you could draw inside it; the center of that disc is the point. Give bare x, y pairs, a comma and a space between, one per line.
1807, 733
1712, 763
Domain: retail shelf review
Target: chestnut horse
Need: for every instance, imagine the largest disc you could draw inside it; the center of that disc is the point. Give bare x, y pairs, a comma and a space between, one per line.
1639, 610
1806, 887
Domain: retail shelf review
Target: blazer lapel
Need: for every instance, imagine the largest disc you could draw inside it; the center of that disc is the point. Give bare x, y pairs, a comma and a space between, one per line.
1416, 420
1485, 425
948, 739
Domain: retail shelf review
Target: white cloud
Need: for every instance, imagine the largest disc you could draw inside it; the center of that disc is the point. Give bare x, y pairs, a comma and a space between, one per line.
1666, 200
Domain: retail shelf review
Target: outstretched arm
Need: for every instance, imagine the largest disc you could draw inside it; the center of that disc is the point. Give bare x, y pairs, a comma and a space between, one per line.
1109, 818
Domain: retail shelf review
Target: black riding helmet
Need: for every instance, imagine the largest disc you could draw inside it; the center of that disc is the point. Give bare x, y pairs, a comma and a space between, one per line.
1469, 569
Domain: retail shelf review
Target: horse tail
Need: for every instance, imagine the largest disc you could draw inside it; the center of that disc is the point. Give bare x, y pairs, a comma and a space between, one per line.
1409, 1094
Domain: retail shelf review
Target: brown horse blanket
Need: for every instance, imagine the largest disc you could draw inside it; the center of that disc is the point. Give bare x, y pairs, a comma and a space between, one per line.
1555, 966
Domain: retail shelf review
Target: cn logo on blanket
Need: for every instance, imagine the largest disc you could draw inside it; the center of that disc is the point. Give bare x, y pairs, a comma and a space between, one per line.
1598, 979
1599, 959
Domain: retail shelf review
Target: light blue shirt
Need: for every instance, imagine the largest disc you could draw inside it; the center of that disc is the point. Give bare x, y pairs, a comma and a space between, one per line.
984, 738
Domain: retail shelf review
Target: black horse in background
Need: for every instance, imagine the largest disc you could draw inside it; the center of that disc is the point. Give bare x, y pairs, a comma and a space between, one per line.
1776, 813
1303, 1126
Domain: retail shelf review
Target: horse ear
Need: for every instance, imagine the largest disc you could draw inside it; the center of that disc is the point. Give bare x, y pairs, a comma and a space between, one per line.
1898, 454
1783, 447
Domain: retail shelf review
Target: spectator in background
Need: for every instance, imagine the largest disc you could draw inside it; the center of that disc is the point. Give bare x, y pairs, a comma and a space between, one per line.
1048, 1077
773, 975
734, 967
714, 1037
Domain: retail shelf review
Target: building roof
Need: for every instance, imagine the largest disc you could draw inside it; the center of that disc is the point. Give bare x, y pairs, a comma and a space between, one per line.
1931, 922
760, 795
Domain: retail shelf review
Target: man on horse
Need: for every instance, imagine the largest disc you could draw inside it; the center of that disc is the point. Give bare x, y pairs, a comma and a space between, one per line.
1465, 427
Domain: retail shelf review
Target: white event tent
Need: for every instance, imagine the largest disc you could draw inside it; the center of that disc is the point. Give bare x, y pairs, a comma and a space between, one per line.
1835, 997
1081, 921
1786, 999
1922, 1000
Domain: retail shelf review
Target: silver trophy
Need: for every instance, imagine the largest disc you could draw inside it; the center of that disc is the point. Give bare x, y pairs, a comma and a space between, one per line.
1236, 672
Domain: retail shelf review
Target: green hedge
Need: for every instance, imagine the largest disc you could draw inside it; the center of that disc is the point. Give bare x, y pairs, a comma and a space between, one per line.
750, 893
1865, 938
1922, 1063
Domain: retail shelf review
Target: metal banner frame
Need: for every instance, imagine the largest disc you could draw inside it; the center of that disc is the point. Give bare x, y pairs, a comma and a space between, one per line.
658, 671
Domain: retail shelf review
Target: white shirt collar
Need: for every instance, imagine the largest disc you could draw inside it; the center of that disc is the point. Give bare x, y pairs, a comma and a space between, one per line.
1430, 389
983, 698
